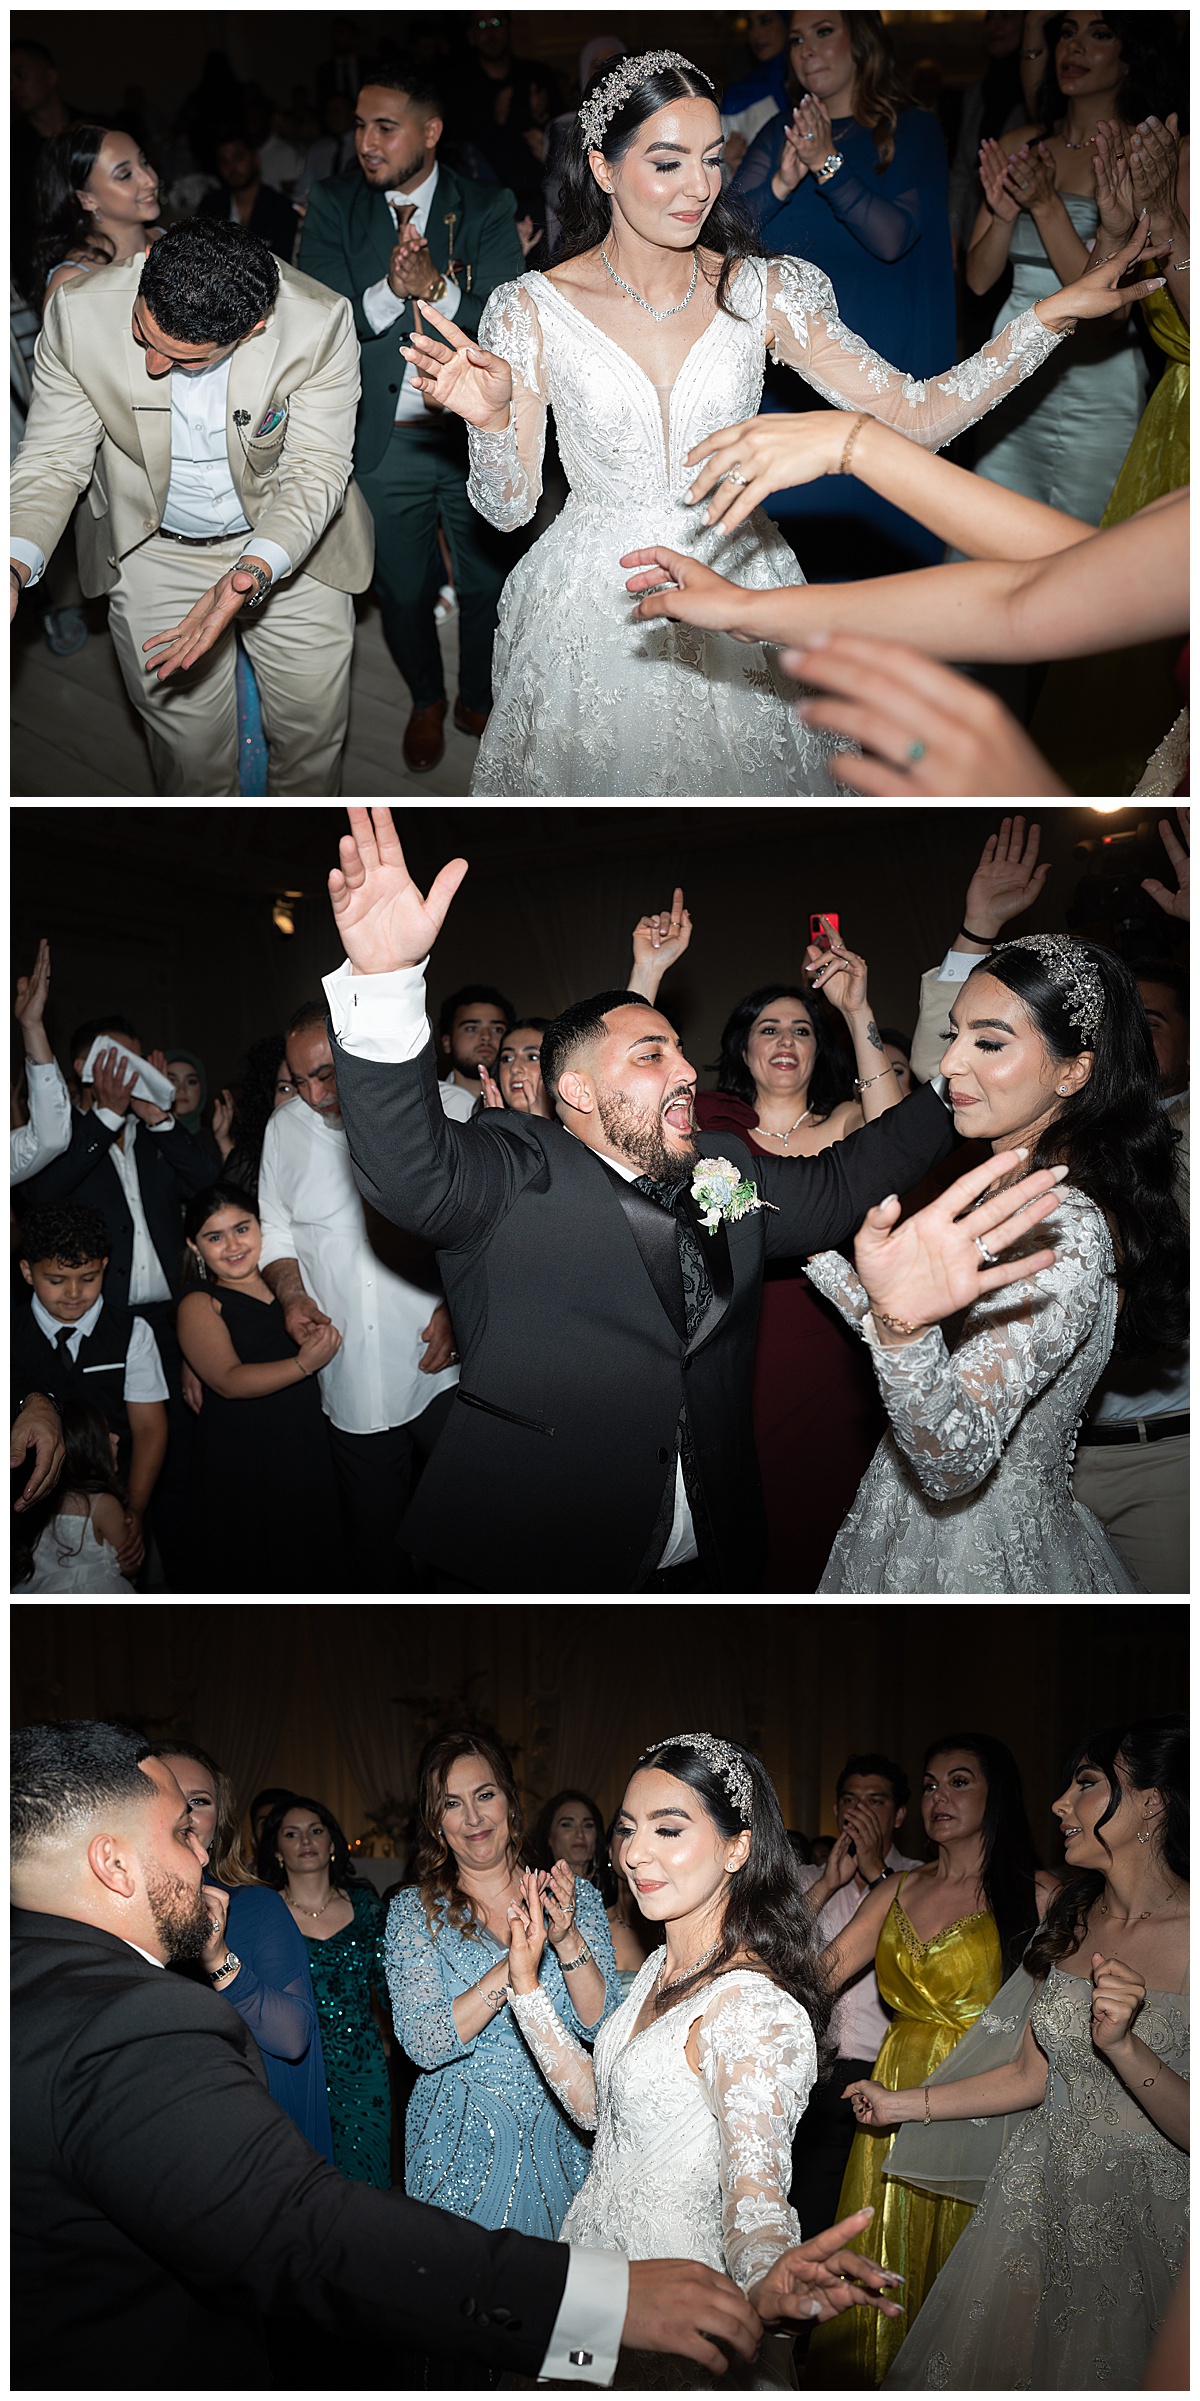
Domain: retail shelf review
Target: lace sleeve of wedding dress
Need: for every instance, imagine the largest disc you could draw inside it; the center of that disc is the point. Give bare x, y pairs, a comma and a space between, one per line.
953, 1411
563, 2061
505, 482
758, 2059
805, 331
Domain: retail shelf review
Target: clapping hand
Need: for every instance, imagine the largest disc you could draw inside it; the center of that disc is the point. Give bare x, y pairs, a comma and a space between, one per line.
557, 1892
493, 1098
841, 1865
1179, 903
812, 132
1007, 880
931, 1266
862, 1825
1117, 1995
1154, 173
839, 973
455, 374
383, 920
993, 175
1116, 210
820, 2278
1029, 177
222, 1122
526, 1935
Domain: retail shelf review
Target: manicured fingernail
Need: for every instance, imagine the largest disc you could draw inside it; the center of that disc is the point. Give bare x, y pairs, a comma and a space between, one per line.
1022, 1154
1059, 1172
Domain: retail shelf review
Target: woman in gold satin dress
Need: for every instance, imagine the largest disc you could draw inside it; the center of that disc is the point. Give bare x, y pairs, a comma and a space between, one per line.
942, 1939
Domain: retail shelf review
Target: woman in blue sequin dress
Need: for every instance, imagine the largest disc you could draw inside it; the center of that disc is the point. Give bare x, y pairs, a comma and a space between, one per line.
484, 2136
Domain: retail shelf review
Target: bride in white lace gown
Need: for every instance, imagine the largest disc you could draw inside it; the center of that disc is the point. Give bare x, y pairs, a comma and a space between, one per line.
644, 343
699, 2080
970, 1489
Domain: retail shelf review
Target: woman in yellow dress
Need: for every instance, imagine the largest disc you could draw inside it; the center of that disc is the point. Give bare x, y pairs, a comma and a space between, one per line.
942, 1939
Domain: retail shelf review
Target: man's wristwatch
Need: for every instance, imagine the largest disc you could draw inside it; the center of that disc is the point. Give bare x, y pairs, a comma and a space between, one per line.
229, 1967
262, 581
437, 291
829, 166
884, 1871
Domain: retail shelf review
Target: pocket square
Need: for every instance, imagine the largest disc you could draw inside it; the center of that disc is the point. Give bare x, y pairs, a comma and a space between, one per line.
269, 424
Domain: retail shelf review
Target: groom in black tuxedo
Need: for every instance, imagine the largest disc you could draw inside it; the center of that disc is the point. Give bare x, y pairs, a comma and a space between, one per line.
601, 1438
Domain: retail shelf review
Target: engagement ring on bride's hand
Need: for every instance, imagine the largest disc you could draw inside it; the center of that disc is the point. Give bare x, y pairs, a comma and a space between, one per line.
734, 475
984, 1252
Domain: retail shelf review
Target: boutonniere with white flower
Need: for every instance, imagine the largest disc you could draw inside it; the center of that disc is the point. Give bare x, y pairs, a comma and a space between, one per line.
720, 1190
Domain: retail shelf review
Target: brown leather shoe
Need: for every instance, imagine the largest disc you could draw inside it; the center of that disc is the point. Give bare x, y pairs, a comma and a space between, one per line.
470, 721
424, 738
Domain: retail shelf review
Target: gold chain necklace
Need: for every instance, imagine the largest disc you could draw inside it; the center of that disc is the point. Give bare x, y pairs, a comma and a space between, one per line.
330, 1897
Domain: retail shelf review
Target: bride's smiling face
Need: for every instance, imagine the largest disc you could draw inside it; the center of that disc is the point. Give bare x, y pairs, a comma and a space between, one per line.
1005, 1085
665, 185
673, 1857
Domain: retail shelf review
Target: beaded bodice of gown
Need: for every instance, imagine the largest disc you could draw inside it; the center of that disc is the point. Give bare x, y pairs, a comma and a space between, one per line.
970, 1489
686, 2165
1063, 2275
587, 699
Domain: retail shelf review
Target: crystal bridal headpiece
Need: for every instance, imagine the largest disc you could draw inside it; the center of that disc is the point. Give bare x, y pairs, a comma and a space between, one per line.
596, 114
724, 1761
1067, 965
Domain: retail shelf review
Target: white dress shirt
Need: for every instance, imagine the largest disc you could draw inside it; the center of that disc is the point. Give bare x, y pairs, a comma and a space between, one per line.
859, 2020
382, 1017
381, 307
312, 1211
48, 1133
144, 1378
201, 497
146, 1279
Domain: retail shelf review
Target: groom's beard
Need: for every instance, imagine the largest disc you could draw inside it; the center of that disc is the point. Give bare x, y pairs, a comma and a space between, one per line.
180, 1912
640, 1136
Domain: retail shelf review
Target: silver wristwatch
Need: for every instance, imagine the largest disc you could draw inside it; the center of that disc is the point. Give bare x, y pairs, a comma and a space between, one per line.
229, 1967
262, 581
829, 166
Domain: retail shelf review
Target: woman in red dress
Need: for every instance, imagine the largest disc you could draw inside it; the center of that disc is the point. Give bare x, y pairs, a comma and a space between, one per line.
784, 1085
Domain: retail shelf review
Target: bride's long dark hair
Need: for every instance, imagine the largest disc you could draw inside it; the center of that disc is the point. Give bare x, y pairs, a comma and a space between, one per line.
766, 1915
585, 212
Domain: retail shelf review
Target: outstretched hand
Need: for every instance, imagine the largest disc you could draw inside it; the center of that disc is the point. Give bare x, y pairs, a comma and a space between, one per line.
1099, 291
821, 2278
186, 642
455, 374
932, 1266
1178, 903
1007, 880
669, 584
382, 918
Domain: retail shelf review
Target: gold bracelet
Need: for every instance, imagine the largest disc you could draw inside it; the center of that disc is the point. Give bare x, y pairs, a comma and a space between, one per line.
899, 1325
851, 439
1149, 2080
927, 2120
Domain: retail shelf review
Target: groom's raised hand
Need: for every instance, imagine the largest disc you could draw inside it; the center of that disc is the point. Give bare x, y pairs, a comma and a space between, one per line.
383, 920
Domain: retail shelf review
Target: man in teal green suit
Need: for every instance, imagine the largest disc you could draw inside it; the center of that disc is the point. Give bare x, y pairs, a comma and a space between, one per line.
408, 228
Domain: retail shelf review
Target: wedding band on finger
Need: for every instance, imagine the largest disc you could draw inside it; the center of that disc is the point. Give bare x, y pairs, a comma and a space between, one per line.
985, 1254
915, 753
734, 475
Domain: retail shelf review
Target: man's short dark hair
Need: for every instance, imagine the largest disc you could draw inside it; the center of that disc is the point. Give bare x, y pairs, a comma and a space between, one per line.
873, 1763
32, 50
84, 1035
468, 992
1174, 973
310, 1012
63, 1772
405, 75
206, 280
69, 1231
582, 1022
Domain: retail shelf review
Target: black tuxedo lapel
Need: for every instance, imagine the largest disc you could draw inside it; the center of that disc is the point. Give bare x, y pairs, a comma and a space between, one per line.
714, 1248
655, 1232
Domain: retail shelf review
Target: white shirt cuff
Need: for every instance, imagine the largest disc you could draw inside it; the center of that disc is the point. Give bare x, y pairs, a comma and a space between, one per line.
382, 307
270, 553
109, 1118
28, 555
587, 2331
959, 964
380, 1017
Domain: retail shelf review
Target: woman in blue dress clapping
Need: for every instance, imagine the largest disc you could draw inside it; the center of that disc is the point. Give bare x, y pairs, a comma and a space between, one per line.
854, 177
484, 2136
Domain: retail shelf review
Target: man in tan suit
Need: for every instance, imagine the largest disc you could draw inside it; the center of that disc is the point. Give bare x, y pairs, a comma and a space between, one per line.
203, 401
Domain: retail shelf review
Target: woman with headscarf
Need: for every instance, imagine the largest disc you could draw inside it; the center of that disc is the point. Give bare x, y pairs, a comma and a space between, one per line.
187, 1075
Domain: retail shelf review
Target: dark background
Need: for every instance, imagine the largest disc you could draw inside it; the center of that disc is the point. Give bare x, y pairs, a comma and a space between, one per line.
336, 1701
164, 914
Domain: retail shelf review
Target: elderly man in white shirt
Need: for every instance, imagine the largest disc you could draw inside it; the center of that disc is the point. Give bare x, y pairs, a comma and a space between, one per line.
48, 1131
387, 1391
872, 1799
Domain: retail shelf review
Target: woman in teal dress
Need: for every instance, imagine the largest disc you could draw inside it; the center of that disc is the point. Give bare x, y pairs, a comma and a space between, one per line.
304, 1854
1064, 441
485, 2137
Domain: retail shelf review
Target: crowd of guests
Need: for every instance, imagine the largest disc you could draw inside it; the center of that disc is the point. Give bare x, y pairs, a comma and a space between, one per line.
939, 215
211, 1319
941, 1974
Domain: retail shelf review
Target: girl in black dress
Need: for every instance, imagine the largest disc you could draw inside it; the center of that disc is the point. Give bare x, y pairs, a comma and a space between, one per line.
264, 1504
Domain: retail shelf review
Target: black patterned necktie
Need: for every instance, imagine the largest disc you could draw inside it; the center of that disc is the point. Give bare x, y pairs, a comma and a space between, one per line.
62, 1340
697, 1287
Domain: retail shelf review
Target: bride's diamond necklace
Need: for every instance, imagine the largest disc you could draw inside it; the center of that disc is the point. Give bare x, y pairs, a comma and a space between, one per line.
684, 1973
658, 314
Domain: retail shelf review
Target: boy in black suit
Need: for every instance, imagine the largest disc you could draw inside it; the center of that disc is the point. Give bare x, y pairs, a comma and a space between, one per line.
76, 1346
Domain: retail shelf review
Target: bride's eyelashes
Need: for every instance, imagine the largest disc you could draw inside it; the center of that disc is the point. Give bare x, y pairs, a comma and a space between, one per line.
672, 166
